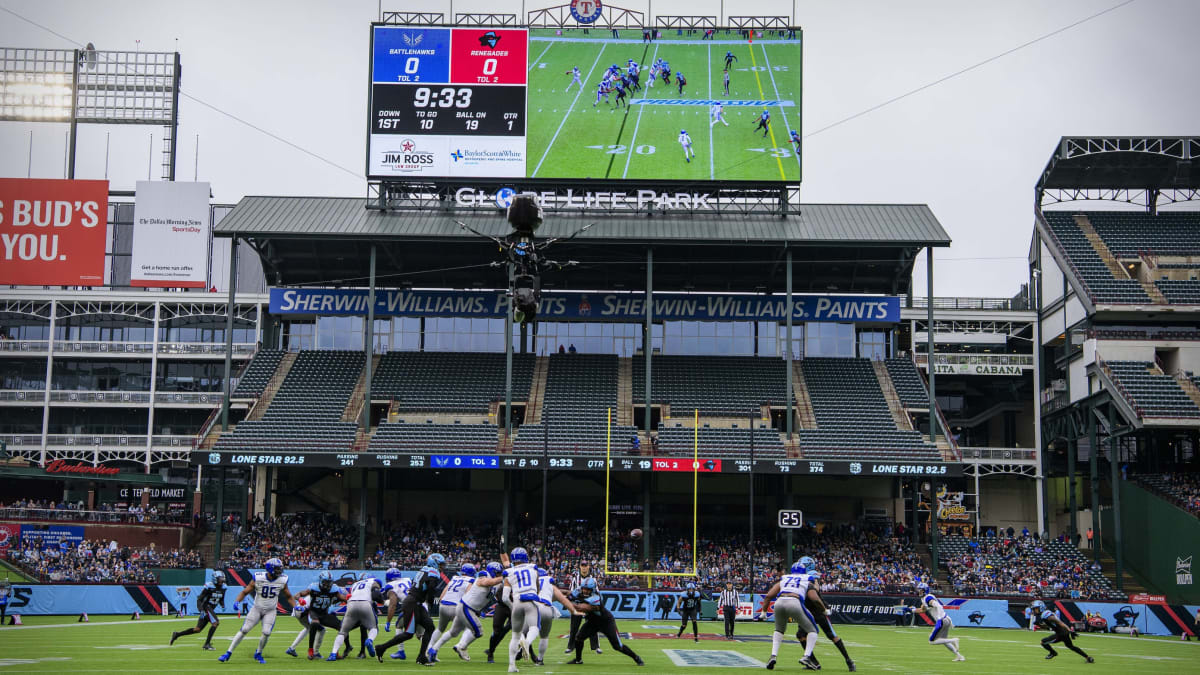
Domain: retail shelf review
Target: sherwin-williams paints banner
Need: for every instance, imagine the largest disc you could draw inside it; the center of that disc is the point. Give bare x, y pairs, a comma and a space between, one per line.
52, 232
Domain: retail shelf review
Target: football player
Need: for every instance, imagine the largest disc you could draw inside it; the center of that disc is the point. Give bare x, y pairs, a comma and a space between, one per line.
717, 112
597, 619
686, 141
729, 59
211, 595
1062, 632
681, 81
764, 122
360, 612
414, 611
574, 73
322, 596
448, 606
522, 577
469, 620
689, 608
942, 625
795, 139
792, 589
268, 588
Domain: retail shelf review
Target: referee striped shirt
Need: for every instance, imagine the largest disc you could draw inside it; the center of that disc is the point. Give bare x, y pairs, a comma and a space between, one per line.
729, 598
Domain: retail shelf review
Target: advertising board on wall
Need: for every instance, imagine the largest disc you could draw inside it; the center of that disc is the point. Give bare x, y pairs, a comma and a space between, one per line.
170, 235
52, 232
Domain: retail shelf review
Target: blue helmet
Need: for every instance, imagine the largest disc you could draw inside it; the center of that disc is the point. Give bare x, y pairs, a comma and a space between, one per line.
364, 576
1037, 604
806, 564
435, 560
218, 578
588, 584
542, 571
393, 574
273, 567
691, 586
325, 580
467, 569
519, 555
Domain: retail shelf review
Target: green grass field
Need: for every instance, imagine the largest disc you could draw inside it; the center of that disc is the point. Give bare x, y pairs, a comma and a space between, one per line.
569, 137
115, 644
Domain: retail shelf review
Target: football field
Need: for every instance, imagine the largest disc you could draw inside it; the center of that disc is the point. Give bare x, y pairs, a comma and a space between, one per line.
570, 135
118, 645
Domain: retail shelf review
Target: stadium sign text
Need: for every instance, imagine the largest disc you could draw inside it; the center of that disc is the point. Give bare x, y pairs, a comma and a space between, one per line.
636, 200
59, 466
979, 369
588, 306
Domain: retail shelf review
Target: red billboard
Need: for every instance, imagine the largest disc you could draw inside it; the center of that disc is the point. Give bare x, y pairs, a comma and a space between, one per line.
53, 232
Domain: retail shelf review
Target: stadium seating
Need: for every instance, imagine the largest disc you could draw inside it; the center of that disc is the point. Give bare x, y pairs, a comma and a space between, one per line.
852, 416
1152, 395
580, 389
908, 382
306, 412
678, 440
1181, 489
1167, 233
449, 381
718, 386
1091, 269
1181, 292
1022, 566
258, 373
428, 437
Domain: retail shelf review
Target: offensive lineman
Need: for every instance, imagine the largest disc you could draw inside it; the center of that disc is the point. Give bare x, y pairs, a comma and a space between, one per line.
268, 588
689, 608
941, 628
1062, 633
686, 141
210, 596
547, 594
448, 605
469, 621
819, 610
597, 619
360, 611
792, 589
395, 591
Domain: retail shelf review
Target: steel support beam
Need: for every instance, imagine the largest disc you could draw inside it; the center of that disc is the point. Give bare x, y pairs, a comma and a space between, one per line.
230, 308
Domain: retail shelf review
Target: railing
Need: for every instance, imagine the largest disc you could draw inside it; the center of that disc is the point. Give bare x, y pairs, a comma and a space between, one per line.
1010, 304
976, 359
197, 397
109, 347
201, 348
92, 440
24, 345
29, 396
58, 396
1004, 454
82, 516
103, 347
22, 440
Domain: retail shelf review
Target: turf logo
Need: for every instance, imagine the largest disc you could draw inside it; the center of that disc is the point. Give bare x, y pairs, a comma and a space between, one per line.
714, 658
586, 11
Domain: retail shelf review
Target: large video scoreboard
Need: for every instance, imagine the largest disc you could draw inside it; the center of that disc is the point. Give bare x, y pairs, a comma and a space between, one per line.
447, 102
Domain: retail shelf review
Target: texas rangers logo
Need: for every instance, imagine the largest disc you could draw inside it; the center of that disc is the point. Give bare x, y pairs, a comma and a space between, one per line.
6, 535
412, 39
855, 467
214, 458
586, 11
489, 39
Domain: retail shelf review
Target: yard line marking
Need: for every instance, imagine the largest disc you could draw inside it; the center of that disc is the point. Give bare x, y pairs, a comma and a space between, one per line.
771, 131
539, 58
567, 114
782, 113
637, 123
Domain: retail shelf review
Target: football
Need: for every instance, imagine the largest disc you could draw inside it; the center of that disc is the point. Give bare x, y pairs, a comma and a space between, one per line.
635, 534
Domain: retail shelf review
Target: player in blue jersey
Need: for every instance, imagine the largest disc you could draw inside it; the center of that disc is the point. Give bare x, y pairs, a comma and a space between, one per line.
1062, 632
686, 141
323, 596
665, 69
729, 59
575, 79
820, 612
619, 86
764, 122
414, 611
681, 81
795, 139
211, 595
942, 624
597, 619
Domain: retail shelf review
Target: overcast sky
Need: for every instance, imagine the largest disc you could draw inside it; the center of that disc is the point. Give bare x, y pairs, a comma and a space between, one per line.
970, 147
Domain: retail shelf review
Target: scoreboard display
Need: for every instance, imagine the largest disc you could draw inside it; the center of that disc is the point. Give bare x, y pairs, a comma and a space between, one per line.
447, 102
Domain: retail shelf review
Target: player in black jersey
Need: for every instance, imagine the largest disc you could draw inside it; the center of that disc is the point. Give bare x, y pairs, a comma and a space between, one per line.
322, 596
414, 611
585, 572
207, 602
820, 610
1062, 632
689, 608
597, 619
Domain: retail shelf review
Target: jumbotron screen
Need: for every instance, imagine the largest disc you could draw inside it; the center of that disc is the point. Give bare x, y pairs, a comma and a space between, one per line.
458, 102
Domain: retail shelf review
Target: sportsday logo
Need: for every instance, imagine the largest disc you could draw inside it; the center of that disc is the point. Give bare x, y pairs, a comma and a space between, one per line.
408, 158
586, 11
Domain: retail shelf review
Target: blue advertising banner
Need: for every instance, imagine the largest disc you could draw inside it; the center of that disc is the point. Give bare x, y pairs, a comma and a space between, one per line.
581, 306
52, 535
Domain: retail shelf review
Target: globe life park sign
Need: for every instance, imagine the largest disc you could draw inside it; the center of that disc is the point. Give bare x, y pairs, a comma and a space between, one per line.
571, 200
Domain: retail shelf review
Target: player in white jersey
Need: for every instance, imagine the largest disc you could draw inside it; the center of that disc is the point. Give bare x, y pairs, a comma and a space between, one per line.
717, 112
941, 626
653, 75
360, 611
268, 588
468, 618
575, 79
394, 592
522, 578
791, 590
448, 603
548, 592
686, 141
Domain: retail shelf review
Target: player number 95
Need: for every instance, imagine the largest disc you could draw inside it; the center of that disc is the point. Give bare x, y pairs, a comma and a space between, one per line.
446, 97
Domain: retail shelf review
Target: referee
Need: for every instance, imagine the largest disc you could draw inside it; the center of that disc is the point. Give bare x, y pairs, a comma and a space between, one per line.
584, 572
729, 605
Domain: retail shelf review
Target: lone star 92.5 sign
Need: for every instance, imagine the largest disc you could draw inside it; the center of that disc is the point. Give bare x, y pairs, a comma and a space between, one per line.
447, 102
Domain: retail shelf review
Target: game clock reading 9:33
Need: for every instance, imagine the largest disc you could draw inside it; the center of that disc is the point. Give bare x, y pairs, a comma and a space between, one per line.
449, 109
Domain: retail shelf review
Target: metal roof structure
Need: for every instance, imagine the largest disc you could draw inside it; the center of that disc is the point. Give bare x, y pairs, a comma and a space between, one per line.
1111, 167
865, 248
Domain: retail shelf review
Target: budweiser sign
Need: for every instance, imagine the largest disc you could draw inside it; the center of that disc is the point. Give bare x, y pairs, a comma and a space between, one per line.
59, 466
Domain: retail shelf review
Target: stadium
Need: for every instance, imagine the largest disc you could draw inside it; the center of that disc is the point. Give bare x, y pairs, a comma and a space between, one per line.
646, 391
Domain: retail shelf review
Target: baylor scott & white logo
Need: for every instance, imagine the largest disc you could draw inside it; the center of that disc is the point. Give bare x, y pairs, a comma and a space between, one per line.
586, 11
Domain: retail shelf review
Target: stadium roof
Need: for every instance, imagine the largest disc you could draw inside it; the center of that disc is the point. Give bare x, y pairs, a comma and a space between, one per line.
866, 248
1111, 162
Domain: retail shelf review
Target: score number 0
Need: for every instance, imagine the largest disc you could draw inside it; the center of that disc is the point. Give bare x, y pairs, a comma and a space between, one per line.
790, 519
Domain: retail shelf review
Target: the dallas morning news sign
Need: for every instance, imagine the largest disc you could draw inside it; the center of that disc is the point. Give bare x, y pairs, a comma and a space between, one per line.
575, 305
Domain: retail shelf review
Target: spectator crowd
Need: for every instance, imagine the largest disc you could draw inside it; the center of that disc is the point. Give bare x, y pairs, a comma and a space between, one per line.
1183, 489
1024, 565
45, 509
309, 540
97, 562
